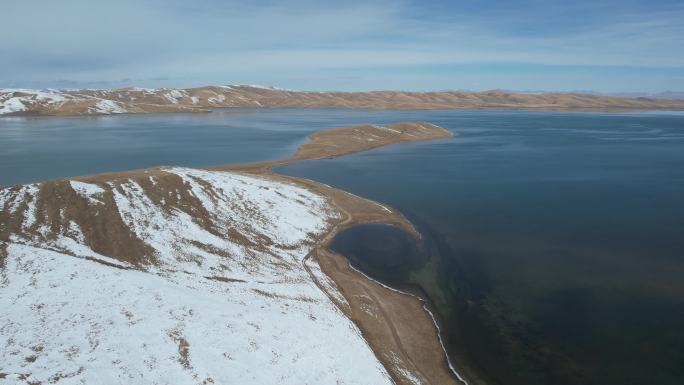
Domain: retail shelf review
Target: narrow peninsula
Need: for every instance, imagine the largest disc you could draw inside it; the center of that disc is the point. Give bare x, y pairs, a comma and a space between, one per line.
208, 276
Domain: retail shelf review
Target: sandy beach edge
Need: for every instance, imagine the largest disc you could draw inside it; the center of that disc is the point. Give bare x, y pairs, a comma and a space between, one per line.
398, 326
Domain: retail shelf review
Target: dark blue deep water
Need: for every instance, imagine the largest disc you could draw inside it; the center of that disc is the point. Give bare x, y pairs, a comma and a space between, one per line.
553, 242
556, 241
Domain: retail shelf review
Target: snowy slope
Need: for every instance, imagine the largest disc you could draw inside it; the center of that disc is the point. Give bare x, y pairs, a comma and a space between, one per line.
221, 296
19, 100
108, 107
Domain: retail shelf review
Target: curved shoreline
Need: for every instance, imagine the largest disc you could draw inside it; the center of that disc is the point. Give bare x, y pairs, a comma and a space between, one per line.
26, 102
434, 320
416, 296
357, 210
401, 332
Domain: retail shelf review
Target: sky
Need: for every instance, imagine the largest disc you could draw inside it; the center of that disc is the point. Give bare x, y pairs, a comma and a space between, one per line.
609, 46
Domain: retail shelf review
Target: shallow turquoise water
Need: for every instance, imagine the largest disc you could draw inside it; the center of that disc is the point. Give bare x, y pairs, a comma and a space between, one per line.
553, 240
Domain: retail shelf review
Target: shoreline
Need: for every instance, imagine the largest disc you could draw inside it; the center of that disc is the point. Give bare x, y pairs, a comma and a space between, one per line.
410, 304
356, 211
400, 330
427, 310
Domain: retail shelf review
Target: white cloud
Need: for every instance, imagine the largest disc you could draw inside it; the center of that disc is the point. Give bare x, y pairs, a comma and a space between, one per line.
186, 42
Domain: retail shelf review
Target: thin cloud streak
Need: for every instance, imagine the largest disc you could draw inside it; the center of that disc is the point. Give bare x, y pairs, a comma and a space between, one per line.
194, 43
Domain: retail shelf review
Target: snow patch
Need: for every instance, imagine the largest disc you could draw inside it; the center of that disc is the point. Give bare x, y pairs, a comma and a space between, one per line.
92, 192
173, 95
263, 87
12, 105
108, 107
17, 99
218, 99
386, 129
31, 197
144, 90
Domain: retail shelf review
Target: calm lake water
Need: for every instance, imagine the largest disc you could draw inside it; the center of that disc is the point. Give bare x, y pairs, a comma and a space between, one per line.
552, 243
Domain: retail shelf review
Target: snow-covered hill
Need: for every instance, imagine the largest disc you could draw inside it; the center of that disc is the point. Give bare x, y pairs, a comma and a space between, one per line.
21, 100
171, 276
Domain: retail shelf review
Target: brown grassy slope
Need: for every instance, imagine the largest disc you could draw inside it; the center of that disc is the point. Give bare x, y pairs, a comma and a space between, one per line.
341, 141
450, 100
349, 140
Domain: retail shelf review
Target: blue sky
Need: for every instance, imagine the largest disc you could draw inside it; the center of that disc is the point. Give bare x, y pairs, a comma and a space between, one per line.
600, 45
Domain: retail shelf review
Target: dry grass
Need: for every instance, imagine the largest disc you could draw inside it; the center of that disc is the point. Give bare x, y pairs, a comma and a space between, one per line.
203, 99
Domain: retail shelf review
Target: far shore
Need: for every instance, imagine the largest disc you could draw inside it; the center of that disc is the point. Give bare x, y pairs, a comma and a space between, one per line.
25, 102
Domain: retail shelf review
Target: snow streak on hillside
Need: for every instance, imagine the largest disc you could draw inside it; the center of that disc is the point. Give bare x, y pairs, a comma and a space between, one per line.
20, 100
210, 288
204, 99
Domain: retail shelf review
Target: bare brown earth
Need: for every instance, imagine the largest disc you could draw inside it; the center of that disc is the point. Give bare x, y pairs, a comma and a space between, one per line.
203, 99
348, 140
396, 325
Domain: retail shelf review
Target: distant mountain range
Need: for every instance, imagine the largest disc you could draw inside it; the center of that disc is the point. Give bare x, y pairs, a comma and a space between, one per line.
203, 99
665, 95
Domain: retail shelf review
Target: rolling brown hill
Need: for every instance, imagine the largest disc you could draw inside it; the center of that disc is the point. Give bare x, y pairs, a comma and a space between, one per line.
203, 99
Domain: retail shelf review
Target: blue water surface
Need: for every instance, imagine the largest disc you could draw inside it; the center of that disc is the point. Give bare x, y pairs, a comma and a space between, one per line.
554, 240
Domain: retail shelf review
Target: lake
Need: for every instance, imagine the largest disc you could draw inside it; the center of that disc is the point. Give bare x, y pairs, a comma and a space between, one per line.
552, 242
41, 148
